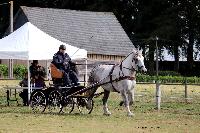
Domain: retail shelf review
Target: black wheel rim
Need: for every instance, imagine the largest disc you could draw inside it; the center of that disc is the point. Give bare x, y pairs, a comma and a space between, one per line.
81, 103
54, 102
67, 105
38, 102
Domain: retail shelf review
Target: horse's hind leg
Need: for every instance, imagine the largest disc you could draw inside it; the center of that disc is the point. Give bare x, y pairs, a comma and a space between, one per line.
126, 102
105, 99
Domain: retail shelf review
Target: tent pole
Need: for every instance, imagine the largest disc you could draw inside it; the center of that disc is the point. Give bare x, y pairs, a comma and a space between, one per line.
11, 16
11, 30
48, 71
47, 76
86, 71
29, 82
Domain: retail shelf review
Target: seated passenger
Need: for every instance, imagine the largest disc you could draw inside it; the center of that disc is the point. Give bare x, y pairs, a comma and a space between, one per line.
62, 61
24, 93
39, 81
34, 68
24, 82
37, 74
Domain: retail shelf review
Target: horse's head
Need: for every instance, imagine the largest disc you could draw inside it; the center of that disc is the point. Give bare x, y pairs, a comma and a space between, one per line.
139, 61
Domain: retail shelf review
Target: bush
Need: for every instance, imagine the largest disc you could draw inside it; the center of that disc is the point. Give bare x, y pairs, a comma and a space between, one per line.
167, 79
3, 70
166, 73
19, 71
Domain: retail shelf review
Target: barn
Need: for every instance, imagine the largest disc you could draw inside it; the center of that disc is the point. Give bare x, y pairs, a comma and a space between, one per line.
99, 33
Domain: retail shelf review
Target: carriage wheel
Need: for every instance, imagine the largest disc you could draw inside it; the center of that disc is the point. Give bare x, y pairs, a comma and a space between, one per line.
54, 101
67, 105
83, 105
38, 102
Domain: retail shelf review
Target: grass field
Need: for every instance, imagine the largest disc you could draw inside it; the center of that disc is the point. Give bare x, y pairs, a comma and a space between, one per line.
175, 115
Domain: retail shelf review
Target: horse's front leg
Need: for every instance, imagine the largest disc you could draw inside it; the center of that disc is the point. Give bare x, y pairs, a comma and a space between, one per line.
126, 102
131, 97
131, 93
105, 99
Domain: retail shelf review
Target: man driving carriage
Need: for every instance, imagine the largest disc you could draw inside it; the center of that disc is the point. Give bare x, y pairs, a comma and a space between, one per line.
63, 62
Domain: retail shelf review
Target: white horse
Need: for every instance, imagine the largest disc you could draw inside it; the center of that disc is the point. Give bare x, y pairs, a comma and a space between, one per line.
120, 78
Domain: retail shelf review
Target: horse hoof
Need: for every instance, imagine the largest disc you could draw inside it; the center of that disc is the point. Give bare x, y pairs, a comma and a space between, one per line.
130, 114
88, 104
107, 114
131, 103
121, 103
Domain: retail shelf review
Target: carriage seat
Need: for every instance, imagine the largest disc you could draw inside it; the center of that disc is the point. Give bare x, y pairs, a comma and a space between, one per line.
56, 75
55, 72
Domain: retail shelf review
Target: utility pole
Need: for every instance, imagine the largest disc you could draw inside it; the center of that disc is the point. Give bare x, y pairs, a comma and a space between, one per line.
157, 57
158, 91
11, 30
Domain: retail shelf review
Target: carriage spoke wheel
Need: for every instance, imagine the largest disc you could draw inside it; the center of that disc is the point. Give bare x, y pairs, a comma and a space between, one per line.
67, 105
54, 101
84, 105
38, 102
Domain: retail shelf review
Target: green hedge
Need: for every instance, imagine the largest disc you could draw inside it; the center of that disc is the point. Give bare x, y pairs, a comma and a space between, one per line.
19, 71
167, 79
3, 70
164, 76
166, 73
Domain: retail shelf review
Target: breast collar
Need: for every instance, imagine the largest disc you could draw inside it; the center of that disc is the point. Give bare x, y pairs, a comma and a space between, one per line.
119, 78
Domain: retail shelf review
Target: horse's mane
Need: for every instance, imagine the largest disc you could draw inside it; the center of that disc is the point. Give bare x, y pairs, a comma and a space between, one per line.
133, 51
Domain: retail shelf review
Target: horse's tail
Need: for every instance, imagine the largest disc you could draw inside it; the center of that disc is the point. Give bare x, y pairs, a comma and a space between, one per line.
91, 80
91, 76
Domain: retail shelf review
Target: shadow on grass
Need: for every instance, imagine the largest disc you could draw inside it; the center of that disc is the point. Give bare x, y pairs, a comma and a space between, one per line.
27, 110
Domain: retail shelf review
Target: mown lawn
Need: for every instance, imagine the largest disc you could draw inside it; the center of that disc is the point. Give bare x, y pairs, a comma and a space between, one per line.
175, 115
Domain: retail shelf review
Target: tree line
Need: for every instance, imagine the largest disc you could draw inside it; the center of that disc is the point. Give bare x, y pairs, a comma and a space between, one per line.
176, 23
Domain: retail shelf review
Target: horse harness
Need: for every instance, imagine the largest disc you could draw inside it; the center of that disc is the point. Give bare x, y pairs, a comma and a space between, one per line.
118, 79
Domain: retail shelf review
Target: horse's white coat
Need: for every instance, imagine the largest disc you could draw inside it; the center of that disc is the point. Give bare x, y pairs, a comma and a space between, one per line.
133, 62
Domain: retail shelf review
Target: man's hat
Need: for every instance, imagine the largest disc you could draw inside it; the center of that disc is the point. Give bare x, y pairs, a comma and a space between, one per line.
62, 47
35, 61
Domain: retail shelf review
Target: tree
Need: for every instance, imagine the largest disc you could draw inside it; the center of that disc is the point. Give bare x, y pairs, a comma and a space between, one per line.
187, 17
4, 12
149, 23
175, 22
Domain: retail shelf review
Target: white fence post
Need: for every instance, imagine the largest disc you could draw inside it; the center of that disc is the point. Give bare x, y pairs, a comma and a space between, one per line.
186, 91
158, 95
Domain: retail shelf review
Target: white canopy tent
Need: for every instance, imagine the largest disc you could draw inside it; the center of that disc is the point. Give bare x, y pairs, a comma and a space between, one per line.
30, 43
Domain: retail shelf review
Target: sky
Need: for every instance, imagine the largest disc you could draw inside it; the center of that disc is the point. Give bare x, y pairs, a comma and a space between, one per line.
168, 57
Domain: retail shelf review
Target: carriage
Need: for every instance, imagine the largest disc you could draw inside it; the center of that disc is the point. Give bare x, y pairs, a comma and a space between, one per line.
118, 78
58, 98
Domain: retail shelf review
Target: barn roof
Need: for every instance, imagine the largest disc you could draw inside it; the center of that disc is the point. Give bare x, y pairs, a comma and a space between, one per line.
97, 32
